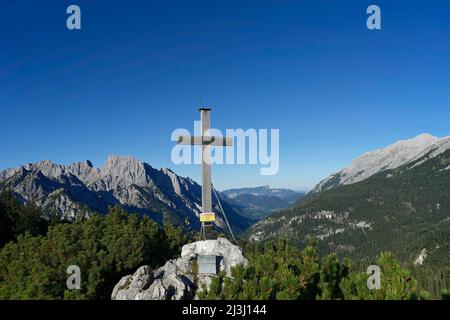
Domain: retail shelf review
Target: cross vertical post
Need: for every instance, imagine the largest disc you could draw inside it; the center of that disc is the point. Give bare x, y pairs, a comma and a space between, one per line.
205, 117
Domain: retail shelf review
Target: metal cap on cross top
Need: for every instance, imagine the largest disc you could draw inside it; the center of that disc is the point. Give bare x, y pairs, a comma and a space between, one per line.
207, 217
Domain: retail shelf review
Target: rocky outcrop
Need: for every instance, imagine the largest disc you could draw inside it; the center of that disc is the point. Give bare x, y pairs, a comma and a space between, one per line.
178, 278
232, 254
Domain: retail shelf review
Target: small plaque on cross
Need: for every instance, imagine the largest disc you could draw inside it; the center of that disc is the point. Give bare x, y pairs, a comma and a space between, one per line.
208, 217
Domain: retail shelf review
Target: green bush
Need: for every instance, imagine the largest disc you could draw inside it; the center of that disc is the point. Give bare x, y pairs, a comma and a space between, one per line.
16, 219
446, 294
105, 249
280, 271
396, 283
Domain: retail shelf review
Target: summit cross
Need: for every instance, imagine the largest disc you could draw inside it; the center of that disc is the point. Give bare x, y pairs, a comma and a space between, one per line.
206, 141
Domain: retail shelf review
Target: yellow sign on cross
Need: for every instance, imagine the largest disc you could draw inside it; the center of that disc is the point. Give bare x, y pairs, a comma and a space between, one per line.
207, 217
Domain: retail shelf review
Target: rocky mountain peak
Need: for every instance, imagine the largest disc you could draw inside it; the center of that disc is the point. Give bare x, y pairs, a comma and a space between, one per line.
84, 171
126, 169
78, 189
86, 163
48, 169
390, 157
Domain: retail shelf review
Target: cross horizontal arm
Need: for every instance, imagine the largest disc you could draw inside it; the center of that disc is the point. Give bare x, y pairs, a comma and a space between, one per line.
205, 140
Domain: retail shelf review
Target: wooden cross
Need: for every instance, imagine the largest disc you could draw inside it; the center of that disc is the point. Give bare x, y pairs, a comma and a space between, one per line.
206, 141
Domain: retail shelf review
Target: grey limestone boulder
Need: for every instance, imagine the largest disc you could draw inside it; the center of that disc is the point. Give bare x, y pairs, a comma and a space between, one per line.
176, 280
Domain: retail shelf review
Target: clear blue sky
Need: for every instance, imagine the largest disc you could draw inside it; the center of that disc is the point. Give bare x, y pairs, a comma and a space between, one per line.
136, 69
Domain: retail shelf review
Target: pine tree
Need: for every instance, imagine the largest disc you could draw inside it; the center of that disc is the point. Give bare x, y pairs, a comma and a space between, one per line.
104, 247
6, 225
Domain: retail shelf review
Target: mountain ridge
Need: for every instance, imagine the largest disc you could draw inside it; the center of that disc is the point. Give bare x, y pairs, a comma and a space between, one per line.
390, 157
79, 189
258, 202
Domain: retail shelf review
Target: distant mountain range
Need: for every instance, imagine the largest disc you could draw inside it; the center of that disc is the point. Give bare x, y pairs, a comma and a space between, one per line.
396, 198
78, 190
262, 201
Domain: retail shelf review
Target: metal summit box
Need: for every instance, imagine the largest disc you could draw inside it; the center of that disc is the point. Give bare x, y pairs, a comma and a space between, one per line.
207, 264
